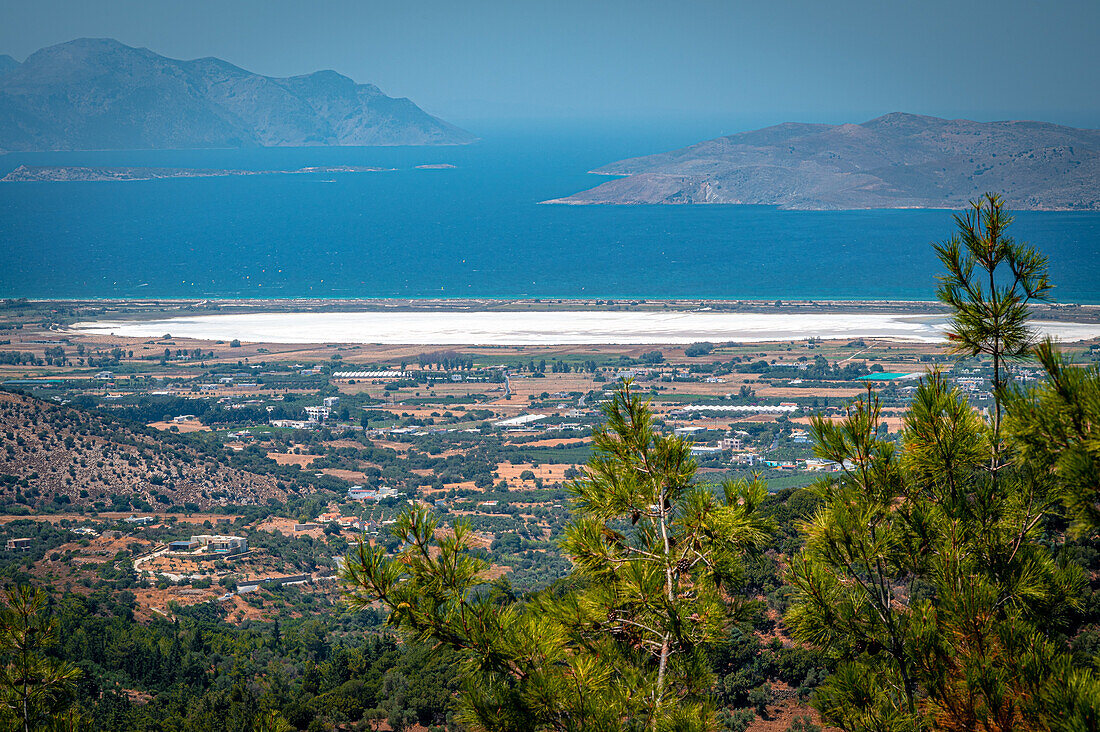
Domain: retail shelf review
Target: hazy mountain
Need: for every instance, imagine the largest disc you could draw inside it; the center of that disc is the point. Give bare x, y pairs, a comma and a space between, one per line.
895, 161
92, 94
7, 63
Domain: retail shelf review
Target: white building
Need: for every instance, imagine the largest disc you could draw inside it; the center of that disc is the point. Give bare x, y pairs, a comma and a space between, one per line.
318, 414
359, 493
222, 544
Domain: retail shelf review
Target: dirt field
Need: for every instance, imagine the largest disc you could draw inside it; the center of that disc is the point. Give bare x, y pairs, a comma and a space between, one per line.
553, 443
283, 458
285, 526
191, 425
550, 473
353, 475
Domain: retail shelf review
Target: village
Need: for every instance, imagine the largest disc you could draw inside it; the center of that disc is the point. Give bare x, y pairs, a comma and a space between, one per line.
310, 449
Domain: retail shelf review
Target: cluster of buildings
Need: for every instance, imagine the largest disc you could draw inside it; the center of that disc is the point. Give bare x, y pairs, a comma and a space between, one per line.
211, 543
316, 415
346, 523
732, 443
359, 493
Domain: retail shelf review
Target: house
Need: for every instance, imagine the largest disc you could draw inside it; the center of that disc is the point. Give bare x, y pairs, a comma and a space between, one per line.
331, 402
222, 544
141, 520
20, 544
706, 450
293, 424
318, 414
184, 545
733, 444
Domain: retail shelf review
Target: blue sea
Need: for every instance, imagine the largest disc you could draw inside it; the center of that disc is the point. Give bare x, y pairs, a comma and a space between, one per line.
476, 230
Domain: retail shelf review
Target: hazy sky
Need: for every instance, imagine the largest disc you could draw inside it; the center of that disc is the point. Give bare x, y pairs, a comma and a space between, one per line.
743, 63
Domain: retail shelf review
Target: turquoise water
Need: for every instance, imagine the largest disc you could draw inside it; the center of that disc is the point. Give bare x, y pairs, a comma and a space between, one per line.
475, 231
884, 376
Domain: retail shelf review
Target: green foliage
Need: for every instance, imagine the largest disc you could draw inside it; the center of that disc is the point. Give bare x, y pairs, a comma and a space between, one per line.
927, 572
989, 282
927, 579
35, 688
1057, 429
622, 644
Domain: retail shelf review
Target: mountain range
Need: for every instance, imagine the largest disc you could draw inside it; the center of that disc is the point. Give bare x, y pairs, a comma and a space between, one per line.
895, 161
99, 94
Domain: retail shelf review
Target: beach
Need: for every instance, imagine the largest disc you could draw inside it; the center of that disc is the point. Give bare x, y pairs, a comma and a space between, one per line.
550, 327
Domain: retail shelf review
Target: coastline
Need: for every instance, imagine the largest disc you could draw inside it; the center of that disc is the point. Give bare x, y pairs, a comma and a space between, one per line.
146, 308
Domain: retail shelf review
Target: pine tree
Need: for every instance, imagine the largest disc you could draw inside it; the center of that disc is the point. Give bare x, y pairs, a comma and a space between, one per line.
32, 684
620, 644
927, 572
990, 281
1057, 429
927, 579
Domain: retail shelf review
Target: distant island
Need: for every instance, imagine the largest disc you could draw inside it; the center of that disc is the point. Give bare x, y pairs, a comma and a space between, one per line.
99, 94
55, 173
895, 161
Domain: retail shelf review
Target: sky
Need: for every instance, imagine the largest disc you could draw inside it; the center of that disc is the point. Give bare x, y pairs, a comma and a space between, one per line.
740, 64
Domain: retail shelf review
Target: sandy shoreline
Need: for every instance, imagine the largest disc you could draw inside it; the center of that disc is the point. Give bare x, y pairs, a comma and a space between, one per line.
550, 328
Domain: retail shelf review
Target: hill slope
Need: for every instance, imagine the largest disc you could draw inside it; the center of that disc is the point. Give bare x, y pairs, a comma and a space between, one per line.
85, 457
98, 94
895, 161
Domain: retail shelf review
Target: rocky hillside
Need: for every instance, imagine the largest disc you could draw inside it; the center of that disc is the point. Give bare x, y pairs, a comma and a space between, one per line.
98, 94
57, 455
895, 161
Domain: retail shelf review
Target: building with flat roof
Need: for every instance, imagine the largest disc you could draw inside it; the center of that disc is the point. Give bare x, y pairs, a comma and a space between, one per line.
317, 413
20, 544
222, 544
733, 444
359, 493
